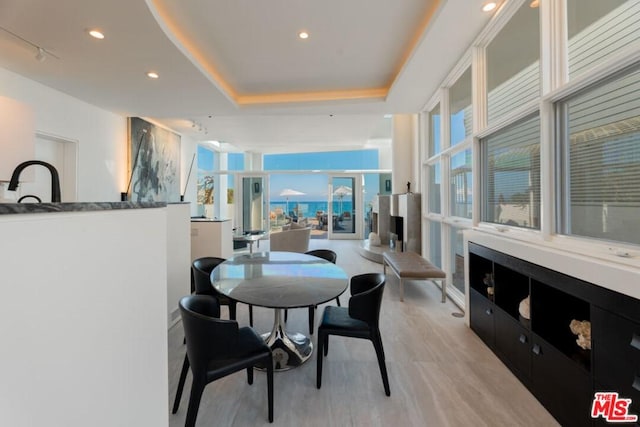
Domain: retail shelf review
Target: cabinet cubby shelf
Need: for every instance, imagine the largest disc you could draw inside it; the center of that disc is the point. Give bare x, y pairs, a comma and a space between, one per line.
542, 351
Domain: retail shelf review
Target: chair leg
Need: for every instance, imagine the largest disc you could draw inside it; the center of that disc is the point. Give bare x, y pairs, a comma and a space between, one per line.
183, 377
270, 387
250, 375
377, 344
338, 301
312, 311
319, 357
232, 310
250, 315
197, 387
326, 344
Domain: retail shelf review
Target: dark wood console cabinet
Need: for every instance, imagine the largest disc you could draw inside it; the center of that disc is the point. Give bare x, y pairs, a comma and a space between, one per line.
542, 352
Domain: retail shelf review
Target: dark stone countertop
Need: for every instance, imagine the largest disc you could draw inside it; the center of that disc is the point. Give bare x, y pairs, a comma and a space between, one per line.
199, 219
26, 208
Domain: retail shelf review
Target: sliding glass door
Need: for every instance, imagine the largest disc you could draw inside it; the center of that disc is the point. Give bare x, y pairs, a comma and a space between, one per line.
345, 199
253, 207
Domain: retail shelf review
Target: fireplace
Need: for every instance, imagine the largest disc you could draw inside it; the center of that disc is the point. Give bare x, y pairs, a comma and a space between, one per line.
405, 221
396, 226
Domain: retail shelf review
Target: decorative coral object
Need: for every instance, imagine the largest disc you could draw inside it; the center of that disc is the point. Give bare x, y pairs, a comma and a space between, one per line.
583, 330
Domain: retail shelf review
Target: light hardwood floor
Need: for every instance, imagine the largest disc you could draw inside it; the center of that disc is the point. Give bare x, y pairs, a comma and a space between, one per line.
440, 372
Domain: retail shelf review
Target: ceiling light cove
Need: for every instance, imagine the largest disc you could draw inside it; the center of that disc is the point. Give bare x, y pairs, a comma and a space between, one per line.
153, 75
230, 67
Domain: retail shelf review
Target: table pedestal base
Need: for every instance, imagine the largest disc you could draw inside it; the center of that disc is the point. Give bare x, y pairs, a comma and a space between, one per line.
289, 350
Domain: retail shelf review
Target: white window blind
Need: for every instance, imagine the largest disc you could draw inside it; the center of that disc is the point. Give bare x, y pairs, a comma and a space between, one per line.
614, 31
515, 92
603, 185
511, 186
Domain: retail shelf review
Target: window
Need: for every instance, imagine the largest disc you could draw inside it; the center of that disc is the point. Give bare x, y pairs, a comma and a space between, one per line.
461, 184
457, 258
434, 134
511, 182
600, 136
599, 29
461, 116
434, 187
435, 243
513, 65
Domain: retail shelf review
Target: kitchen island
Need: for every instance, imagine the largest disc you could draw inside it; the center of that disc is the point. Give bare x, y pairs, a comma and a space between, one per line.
84, 319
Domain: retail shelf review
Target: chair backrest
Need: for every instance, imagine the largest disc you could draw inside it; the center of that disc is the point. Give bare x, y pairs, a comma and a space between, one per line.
201, 269
208, 337
327, 254
366, 297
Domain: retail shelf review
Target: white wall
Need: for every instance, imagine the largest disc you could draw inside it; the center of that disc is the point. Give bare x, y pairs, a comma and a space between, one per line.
405, 155
178, 257
101, 136
84, 319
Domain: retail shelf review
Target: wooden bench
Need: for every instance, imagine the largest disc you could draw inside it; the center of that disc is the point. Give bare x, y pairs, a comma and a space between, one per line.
410, 265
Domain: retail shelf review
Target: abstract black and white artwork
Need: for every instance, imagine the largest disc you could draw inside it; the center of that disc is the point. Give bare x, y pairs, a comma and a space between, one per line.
154, 159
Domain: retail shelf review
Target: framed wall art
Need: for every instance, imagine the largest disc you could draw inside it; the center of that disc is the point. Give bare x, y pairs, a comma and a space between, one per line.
154, 163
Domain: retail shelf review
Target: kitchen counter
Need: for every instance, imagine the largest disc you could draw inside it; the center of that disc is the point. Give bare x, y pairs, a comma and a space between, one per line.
90, 283
199, 219
25, 208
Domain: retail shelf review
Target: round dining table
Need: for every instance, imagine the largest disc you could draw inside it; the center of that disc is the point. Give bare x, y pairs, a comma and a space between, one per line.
281, 280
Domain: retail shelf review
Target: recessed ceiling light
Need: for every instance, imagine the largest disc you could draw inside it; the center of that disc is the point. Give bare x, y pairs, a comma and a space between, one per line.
96, 34
303, 35
488, 7
152, 75
534, 4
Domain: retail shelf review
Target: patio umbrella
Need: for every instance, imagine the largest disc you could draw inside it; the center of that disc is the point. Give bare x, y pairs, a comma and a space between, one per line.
342, 191
287, 192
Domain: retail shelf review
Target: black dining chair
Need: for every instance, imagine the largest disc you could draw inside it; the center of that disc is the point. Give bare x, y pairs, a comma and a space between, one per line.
201, 269
359, 320
330, 256
217, 348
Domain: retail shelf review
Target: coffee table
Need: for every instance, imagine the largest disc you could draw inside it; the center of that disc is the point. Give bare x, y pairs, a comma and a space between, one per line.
281, 280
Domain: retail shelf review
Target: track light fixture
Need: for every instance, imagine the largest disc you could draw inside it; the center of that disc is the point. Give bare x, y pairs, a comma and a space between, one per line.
198, 127
41, 53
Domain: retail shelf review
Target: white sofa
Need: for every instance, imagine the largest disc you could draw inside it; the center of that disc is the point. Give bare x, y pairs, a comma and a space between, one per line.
291, 240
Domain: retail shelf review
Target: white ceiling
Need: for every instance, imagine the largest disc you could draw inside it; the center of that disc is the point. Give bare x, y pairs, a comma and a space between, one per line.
238, 69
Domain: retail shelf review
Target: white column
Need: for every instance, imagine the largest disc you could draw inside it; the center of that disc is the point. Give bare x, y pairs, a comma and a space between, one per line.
404, 157
253, 161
